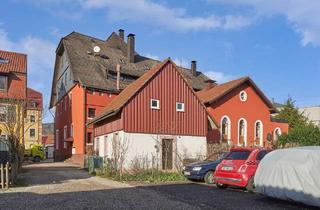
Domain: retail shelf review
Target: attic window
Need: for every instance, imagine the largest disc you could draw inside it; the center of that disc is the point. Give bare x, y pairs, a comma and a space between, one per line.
155, 104
2, 60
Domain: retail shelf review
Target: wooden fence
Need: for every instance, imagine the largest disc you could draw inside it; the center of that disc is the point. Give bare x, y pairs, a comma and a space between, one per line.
4, 175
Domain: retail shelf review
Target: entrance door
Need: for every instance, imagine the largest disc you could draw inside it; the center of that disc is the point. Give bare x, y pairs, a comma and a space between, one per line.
167, 150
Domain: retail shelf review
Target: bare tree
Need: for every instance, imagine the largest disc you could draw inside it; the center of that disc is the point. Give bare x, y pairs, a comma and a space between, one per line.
12, 126
12, 129
119, 151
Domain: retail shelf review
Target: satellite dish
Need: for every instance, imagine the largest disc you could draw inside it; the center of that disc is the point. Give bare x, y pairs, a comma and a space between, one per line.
96, 49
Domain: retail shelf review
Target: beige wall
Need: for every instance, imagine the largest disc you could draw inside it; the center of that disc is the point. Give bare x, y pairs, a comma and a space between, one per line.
37, 126
312, 113
144, 146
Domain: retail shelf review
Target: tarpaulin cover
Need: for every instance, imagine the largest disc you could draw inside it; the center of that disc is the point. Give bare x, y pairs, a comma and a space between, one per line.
291, 174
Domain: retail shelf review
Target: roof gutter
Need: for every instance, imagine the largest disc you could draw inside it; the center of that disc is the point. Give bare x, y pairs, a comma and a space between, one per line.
110, 114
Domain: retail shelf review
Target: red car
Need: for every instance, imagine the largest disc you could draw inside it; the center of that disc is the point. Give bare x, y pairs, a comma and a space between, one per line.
239, 167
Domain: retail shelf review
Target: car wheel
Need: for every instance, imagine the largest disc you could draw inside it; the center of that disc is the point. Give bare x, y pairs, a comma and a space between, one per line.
36, 159
221, 186
250, 186
209, 178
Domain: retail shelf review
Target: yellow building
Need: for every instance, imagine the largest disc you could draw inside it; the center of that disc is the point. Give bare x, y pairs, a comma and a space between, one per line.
33, 118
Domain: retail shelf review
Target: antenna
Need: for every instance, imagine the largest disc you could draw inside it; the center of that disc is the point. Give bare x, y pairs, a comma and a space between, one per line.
96, 49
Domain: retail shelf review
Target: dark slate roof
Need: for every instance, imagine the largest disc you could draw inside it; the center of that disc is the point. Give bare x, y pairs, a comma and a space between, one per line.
92, 71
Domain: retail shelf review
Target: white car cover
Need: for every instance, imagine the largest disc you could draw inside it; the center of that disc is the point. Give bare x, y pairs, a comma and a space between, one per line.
291, 174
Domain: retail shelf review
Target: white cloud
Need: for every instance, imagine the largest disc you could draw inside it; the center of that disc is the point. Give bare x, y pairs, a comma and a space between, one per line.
155, 57
303, 15
161, 15
40, 54
181, 62
220, 77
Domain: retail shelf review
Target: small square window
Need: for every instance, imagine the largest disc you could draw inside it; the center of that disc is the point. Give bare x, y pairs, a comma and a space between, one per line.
91, 112
155, 104
32, 118
32, 132
180, 107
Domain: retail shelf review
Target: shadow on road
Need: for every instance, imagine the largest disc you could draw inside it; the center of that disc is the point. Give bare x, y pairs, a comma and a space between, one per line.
170, 196
51, 173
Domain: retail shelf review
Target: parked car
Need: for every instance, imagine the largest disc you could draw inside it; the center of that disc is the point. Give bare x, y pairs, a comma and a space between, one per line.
291, 174
239, 167
203, 170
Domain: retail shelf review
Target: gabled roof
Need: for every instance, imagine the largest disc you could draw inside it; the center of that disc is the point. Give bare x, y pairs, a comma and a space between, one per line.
219, 91
34, 96
97, 71
120, 101
13, 62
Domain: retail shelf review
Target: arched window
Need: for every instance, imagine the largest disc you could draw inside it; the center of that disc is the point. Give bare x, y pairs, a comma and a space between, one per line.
258, 133
225, 128
242, 135
277, 133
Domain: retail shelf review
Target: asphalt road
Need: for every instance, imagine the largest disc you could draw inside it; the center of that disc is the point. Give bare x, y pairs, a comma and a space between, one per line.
63, 186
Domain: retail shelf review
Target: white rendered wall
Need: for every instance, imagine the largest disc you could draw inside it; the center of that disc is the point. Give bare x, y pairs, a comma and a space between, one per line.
146, 146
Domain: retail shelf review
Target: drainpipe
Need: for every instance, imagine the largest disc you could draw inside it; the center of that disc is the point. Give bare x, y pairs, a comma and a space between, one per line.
118, 76
85, 117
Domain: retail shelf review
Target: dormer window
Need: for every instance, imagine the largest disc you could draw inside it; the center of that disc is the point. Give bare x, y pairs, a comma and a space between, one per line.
3, 83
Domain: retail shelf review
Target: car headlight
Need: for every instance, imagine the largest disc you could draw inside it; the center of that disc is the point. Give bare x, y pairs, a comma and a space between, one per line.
183, 168
198, 168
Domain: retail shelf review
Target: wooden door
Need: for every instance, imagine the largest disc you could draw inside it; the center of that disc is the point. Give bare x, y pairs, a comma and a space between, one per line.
167, 157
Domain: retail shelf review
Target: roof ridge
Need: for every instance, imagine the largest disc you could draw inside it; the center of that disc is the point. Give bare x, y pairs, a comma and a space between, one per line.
13, 52
85, 35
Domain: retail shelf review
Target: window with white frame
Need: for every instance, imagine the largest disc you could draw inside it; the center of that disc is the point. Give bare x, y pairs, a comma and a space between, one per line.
71, 130
225, 128
258, 133
155, 104
180, 107
243, 96
65, 132
57, 139
65, 145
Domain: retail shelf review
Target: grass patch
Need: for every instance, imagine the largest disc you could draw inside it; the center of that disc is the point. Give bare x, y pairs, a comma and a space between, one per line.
145, 176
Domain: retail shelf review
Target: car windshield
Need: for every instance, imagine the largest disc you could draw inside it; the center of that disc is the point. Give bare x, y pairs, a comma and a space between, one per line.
238, 155
217, 156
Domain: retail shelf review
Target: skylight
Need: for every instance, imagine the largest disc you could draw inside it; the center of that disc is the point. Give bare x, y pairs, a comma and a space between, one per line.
2, 60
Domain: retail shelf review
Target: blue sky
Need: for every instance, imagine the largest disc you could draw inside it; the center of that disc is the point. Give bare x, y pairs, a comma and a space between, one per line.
275, 42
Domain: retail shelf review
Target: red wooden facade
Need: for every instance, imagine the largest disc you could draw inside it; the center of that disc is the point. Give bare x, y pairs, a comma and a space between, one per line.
169, 87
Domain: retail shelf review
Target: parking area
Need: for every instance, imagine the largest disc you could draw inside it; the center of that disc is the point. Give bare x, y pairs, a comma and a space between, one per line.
61, 185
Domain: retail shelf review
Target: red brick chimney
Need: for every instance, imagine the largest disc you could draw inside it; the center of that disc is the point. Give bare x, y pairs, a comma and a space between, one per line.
121, 34
130, 48
194, 68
